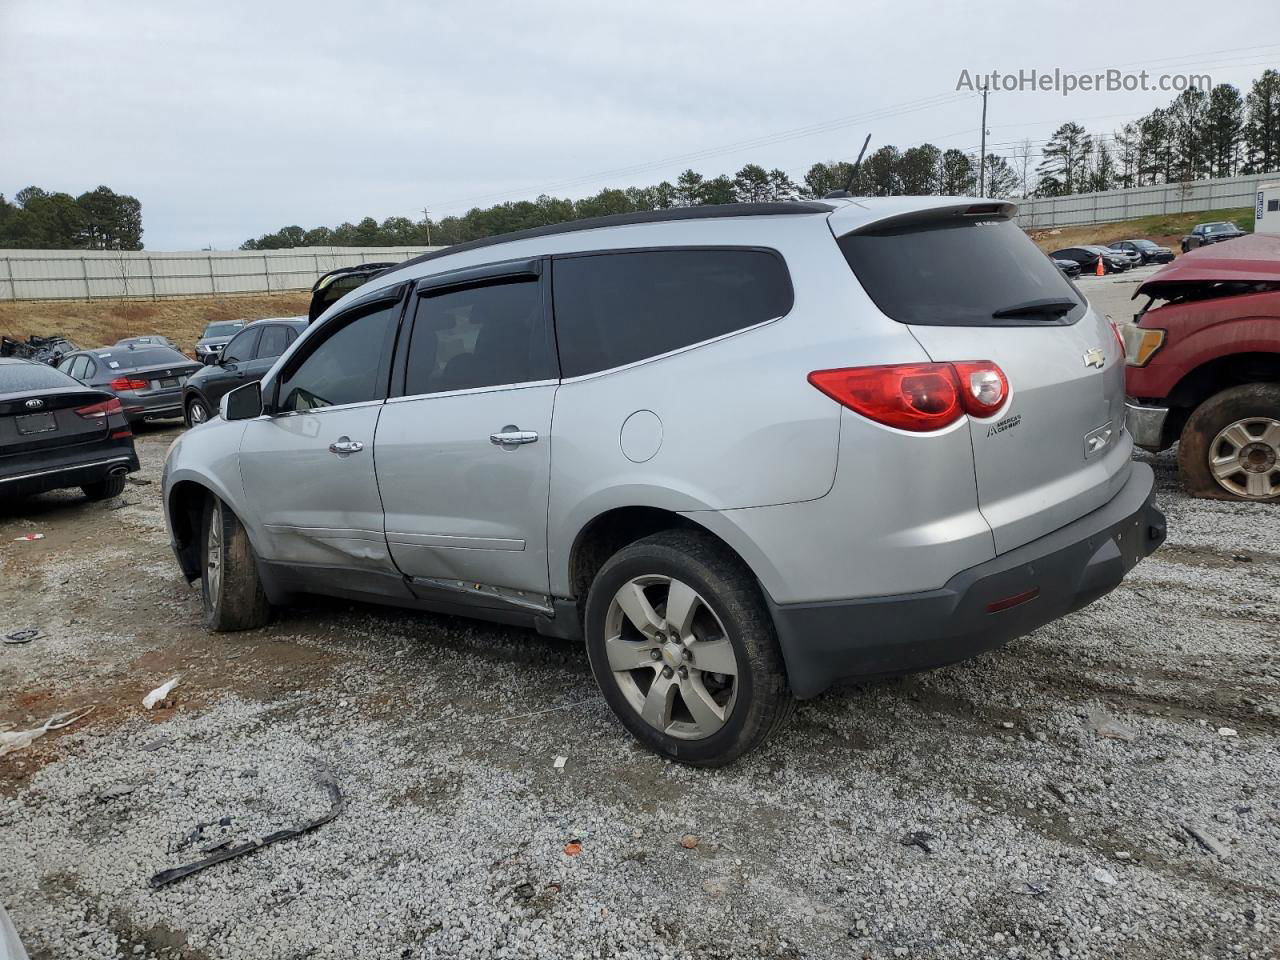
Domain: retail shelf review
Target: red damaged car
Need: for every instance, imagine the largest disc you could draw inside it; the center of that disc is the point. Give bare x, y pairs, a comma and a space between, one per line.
1204, 368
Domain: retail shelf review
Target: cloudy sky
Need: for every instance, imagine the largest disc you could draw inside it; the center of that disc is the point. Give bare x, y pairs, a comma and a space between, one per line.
231, 119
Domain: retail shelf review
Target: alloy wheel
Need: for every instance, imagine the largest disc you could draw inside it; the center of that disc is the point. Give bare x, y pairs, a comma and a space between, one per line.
1244, 458
197, 413
671, 657
213, 554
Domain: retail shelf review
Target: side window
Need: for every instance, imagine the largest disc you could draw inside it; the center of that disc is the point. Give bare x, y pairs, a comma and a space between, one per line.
1273, 206
78, 366
481, 336
89, 369
241, 346
273, 343
349, 365
616, 308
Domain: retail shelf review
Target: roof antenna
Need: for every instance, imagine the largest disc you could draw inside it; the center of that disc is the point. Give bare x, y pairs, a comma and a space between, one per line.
853, 174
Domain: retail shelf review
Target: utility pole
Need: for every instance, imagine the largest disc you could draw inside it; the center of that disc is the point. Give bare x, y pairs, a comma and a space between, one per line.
982, 151
426, 216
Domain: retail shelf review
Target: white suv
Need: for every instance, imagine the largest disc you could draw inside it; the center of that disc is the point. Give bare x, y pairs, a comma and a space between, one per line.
744, 451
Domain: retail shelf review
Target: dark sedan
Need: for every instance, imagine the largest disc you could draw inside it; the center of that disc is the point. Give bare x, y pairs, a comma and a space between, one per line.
1087, 258
147, 379
1070, 269
1148, 251
55, 433
1203, 234
245, 359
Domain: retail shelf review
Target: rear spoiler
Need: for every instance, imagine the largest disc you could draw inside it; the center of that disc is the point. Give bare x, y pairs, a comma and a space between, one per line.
913, 212
336, 284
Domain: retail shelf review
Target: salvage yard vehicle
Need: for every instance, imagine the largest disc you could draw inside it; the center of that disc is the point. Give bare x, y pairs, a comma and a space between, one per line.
56, 433
1145, 250
1203, 234
153, 339
794, 443
147, 379
1087, 257
1204, 368
247, 356
215, 337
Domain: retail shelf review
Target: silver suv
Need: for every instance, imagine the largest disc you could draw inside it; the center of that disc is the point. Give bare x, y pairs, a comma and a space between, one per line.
743, 452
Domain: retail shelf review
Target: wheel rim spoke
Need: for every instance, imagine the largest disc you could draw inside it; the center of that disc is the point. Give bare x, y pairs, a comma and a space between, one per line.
707, 715
659, 701
639, 610
1258, 485
682, 603
1237, 435
715, 655
628, 654
1223, 467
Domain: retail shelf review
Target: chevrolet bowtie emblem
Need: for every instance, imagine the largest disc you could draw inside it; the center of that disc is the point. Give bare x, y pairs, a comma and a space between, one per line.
1095, 358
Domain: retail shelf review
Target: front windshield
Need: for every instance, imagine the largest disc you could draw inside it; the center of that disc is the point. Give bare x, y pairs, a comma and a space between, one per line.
1221, 228
222, 329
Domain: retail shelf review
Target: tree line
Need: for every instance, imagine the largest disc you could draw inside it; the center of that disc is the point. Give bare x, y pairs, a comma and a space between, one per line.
98, 219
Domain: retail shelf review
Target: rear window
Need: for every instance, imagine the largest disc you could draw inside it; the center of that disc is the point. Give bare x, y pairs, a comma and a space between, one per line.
22, 377
957, 273
129, 359
617, 308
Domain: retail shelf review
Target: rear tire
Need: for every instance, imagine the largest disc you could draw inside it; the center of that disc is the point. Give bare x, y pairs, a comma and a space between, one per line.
104, 489
197, 412
1230, 446
230, 588
702, 714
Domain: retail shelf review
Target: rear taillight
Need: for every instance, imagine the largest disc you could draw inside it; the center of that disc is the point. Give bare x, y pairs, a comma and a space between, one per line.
128, 383
100, 411
917, 396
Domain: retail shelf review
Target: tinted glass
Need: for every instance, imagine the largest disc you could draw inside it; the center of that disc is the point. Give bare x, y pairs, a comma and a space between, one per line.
127, 359
241, 346
273, 342
221, 329
479, 337
955, 273
22, 377
348, 367
616, 308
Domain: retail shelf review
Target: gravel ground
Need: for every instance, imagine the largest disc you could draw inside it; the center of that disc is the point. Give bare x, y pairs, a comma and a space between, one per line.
1051, 788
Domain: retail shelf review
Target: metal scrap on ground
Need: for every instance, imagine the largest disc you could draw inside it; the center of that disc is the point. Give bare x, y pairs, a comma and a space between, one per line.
11, 740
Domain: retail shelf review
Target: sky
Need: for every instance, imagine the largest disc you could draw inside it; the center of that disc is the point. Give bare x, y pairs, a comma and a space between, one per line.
228, 120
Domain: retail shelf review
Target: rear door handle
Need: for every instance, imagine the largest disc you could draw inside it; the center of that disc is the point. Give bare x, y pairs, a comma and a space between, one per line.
512, 436
345, 446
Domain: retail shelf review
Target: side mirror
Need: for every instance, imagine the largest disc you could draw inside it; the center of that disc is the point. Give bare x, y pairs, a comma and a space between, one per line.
242, 403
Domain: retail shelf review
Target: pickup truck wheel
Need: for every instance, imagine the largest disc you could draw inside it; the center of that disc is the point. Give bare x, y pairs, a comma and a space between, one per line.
197, 412
1230, 447
230, 589
683, 648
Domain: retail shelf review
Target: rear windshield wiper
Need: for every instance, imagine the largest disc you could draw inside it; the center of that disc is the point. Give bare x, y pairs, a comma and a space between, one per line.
1052, 306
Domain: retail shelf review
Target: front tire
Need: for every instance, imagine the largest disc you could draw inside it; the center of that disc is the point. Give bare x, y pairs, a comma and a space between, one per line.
104, 489
230, 589
684, 650
1230, 446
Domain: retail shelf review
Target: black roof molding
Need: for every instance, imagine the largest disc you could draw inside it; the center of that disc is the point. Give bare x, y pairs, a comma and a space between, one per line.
707, 212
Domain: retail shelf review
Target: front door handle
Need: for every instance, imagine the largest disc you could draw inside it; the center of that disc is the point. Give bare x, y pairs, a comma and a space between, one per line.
511, 436
345, 446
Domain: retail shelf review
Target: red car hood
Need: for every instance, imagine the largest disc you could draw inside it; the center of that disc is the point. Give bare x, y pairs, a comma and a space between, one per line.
1252, 258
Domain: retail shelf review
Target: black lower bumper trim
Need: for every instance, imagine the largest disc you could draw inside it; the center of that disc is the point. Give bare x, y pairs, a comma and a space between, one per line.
1061, 572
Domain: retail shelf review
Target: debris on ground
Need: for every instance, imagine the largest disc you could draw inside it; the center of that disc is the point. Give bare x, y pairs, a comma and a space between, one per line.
139, 481
159, 694
174, 874
1029, 889
21, 636
124, 503
572, 849
1107, 726
1227, 732
918, 838
11, 740
1103, 875
560, 762
1206, 840
1057, 791
1241, 558
28, 537
119, 790
689, 841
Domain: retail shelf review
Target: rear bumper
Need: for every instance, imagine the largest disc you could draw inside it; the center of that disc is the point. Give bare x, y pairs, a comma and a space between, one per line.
70, 471
1146, 425
823, 643
152, 408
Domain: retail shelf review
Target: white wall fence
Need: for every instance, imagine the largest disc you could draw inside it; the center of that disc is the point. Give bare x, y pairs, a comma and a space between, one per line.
94, 274
1110, 205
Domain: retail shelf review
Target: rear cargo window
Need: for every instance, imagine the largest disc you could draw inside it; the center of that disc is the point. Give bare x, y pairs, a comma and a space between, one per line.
144, 357
21, 377
958, 274
616, 308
